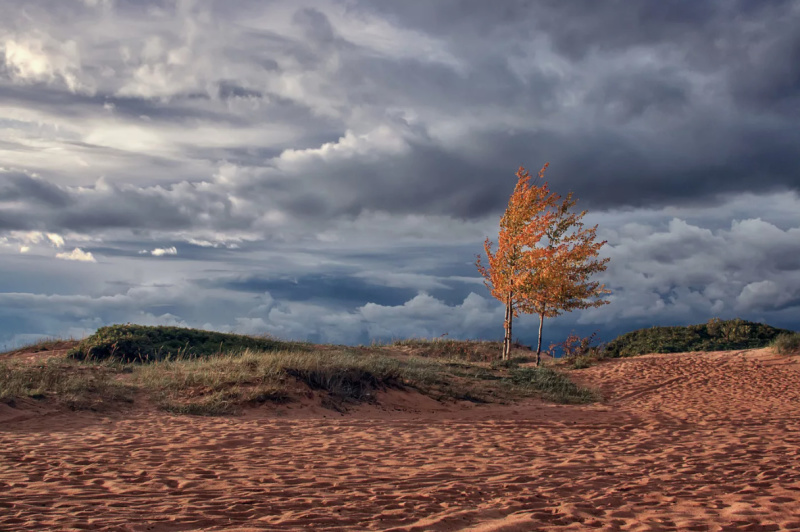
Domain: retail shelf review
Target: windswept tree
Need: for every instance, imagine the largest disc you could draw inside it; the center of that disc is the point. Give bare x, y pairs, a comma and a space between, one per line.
544, 257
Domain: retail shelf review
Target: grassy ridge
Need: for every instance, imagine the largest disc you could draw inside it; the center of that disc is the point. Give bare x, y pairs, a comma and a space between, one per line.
163, 363
716, 335
222, 384
140, 343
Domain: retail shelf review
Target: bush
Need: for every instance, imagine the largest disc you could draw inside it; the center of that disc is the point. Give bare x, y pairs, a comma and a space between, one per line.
140, 343
786, 344
577, 352
349, 383
716, 335
552, 385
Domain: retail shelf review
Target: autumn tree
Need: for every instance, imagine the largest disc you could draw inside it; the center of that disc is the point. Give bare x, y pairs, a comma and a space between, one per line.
544, 257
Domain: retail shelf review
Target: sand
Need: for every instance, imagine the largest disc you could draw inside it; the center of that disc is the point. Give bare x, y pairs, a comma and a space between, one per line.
707, 441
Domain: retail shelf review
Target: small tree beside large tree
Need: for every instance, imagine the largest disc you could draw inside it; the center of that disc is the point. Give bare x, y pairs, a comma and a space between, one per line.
544, 257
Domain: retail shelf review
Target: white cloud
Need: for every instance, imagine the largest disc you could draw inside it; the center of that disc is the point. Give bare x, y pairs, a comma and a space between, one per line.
159, 252
77, 254
686, 272
29, 237
761, 294
42, 59
56, 239
381, 141
98, 3
427, 316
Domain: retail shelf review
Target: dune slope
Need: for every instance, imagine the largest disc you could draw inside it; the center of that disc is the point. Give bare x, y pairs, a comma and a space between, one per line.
683, 442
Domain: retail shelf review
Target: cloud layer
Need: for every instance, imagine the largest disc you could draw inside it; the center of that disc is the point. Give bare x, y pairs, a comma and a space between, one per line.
345, 160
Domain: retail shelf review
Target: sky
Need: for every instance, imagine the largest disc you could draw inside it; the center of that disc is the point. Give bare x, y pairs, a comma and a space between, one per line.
328, 170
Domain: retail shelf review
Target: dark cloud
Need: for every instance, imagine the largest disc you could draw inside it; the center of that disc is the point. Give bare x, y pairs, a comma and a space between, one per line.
12, 221
230, 89
341, 291
71, 105
16, 186
316, 26
365, 149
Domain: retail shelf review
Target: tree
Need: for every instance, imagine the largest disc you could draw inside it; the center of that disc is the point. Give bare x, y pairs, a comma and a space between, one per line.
544, 257
525, 222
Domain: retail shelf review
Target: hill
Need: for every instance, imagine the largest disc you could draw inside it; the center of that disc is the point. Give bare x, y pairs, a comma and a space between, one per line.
129, 343
192, 371
715, 335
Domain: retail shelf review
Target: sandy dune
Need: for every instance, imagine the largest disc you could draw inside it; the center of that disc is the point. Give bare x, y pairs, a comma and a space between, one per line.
682, 442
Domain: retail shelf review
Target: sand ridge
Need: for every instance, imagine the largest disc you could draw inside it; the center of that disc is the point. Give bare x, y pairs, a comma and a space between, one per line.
706, 441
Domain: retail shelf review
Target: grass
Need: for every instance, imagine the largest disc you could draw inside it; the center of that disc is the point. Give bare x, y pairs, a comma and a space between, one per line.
716, 335
471, 350
582, 361
72, 384
223, 384
140, 343
786, 343
211, 382
39, 346
553, 385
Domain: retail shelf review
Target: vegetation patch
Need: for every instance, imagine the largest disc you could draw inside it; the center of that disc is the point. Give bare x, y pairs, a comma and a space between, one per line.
468, 350
552, 385
223, 384
787, 344
41, 346
350, 383
716, 335
140, 343
195, 378
68, 382
582, 361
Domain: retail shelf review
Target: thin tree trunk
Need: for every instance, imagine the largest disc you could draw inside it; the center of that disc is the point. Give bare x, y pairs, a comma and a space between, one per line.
508, 328
539, 344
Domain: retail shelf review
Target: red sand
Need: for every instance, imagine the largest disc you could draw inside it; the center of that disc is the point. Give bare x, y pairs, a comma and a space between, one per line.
682, 442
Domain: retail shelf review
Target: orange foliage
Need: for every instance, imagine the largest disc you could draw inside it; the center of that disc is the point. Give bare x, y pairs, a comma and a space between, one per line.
544, 256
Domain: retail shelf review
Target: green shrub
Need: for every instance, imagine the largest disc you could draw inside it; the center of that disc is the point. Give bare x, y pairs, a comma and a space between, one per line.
140, 343
552, 385
351, 383
787, 343
716, 335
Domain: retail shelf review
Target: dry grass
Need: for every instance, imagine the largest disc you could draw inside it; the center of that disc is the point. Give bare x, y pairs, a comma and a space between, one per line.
40, 346
226, 383
786, 344
67, 382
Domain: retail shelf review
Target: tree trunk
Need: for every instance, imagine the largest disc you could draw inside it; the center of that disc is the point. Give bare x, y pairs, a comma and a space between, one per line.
508, 325
539, 345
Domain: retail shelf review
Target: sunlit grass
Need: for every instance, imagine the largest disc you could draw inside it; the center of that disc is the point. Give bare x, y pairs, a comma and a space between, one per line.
225, 384
787, 344
68, 382
203, 382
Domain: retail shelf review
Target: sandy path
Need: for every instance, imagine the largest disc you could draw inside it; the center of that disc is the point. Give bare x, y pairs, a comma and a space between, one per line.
684, 442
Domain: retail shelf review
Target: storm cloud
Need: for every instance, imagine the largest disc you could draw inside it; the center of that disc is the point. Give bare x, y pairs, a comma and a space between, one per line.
330, 169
